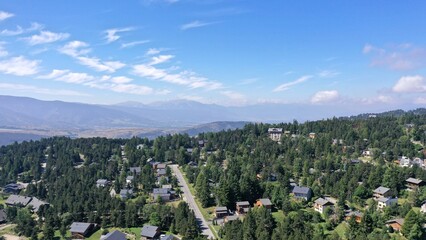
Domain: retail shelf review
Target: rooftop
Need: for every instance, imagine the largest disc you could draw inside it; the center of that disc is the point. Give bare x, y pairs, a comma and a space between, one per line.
79, 227
322, 202
221, 209
149, 231
414, 181
400, 221
381, 190
116, 235
18, 200
243, 203
265, 201
301, 190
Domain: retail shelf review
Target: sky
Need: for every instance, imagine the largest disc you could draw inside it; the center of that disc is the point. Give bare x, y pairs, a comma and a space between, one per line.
360, 54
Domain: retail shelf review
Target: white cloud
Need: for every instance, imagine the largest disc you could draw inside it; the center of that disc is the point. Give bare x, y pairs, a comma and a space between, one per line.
120, 80
235, 98
325, 96
34, 89
327, 74
160, 59
195, 24
111, 34
19, 66
5, 15
135, 43
153, 51
19, 30
54, 74
98, 65
77, 78
410, 84
286, 86
46, 37
75, 48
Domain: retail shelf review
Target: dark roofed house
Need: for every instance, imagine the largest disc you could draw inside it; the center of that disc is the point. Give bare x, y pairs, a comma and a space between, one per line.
16, 200
81, 230
302, 193
116, 235
126, 193
161, 166
243, 207
413, 184
167, 237
36, 204
163, 193
264, 202
12, 188
3, 216
150, 232
221, 212
135, 170
382, 192
161, 172
230, 218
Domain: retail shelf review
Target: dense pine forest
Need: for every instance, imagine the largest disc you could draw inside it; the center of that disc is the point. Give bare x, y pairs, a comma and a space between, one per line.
344, 159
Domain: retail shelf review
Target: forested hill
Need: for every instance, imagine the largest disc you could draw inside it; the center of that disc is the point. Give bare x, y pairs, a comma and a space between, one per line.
343, 159
394, 113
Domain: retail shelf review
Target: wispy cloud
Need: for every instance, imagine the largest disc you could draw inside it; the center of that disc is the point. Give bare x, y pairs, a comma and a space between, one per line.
135, 43
112, 36
5, 15
286, 86
19, 66
33, 89
153, 51
325, 97
54, 74
328, 74
46, 37
20, 30
75, 48
160, 59
410, 84
195, 24
396, 57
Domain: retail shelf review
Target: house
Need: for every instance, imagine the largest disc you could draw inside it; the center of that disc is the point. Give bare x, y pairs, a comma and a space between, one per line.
161, 172
3, 216
418, 162
221, 212
413, 184
167, 237
116, 235
385, 202
17, 200
243, 207
12, 188
312, 135
405, 162
129, 179
367, 153
230, 218
102, 183
356, 214
382, 192
423, 207
302, 193
275, 134
150, 232
161, 166
81, 230
135, 170
163, 193
36, 204
264, 202
321, 204
140, 146
396, 224
126, 193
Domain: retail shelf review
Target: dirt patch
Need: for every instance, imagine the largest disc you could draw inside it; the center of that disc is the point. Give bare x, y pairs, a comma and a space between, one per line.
12, 237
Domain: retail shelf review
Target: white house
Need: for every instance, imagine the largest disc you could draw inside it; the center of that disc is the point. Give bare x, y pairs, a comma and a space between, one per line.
405, 162
385, 202
275, 134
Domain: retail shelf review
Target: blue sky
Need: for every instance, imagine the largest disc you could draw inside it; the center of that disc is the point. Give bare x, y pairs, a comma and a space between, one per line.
233, 52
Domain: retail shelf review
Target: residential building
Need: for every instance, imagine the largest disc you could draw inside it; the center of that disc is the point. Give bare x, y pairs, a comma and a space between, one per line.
161, 172
353, 214
405, 162
381, 192
150, 232
275, 134
221, 212
116, 235
167, 237
321, 204
126, 194
230, 218
302, 193
81, 230
130, 179
243, 207
413, 184
264, 202
396, 224
12, 188
385, 202
36, 204
312, 135
17, 200
135, 170
163, 193
102, 183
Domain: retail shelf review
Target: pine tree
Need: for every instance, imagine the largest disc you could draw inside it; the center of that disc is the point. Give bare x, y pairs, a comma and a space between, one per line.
249, 226
409, 221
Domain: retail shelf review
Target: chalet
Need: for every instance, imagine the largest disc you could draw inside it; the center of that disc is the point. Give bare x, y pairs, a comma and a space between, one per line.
230, 218
275, 134
221, 212
353, 214
102, 183
382, 192
130, 179
36, 204
243, 207
126, 193
81, 230
167, 237
264, 202
3, 216
312, 135
396, 224
405, 162
163, 193
321, 204
16, 200
413, 184
12, 188
161, 172
302, 193
116, 235
367, 153
386, 202
135, 170
150, 232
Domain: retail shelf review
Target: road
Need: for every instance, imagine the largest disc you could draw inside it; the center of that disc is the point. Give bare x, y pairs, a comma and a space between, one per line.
189, 198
